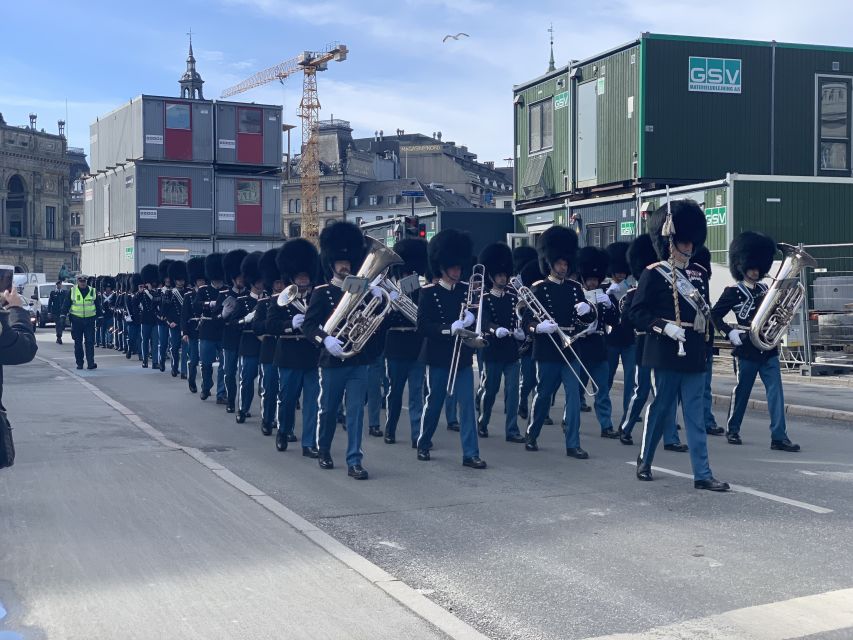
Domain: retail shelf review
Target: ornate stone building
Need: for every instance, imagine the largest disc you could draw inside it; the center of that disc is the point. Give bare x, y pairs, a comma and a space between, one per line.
35, 185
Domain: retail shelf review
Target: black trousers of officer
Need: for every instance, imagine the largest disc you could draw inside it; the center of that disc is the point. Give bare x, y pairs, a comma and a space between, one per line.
83, 329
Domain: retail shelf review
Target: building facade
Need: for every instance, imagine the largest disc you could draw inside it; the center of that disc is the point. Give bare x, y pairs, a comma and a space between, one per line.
35, 234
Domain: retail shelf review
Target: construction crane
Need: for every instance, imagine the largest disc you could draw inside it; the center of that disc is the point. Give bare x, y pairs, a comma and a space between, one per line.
309, 62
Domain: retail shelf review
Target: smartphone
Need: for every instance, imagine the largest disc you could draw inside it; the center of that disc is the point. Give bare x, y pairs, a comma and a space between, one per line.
6, 279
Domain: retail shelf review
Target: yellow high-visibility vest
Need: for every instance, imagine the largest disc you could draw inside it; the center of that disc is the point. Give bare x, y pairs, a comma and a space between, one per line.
83, 306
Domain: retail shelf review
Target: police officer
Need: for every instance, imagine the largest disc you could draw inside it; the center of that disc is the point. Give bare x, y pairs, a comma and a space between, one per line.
210, 326
564, 300
342, 251
439, 322
671, 306
249, 348
82, 312
172, 308
500, 356
190, 323
750, 258
147, 300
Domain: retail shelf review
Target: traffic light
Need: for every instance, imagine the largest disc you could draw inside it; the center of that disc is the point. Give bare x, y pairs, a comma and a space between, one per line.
411, 226
422, 230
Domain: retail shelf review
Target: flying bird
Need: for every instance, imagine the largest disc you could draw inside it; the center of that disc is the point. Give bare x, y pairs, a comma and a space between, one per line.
456, 37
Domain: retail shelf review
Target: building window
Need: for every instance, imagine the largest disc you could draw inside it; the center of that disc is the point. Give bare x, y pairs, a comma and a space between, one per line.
359, 220
249, 121
334, 203
290, 206
374, 200
507, 204
248, 192
601, 235
75, 239
328, 203
298, 205
178, 116
541, 126
50, 223
378, 217
175, 192
834, 125
295, 229
392, 199
354, 201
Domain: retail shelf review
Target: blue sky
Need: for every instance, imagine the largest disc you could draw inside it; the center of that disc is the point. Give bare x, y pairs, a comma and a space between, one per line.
399, 74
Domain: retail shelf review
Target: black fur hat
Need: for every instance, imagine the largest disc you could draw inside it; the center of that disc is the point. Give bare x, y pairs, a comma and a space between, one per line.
108, 281
702, 257
342, 241
751, 250
531, 273
413, 251
557, 243
195, 270
521, 255
299, 255
269, 268
231, 262
178, 271
251, 269
617, 252
150, 274
689, 223
449, 248
136, 280
641, 253
163, 269
496, 258
213, 269
592, 263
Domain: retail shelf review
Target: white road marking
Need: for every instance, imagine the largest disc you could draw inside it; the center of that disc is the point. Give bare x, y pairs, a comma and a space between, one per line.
798, 461
795, 618
753, 492
808, 473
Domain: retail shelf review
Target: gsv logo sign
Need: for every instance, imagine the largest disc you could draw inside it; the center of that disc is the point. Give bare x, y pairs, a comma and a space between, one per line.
714, 75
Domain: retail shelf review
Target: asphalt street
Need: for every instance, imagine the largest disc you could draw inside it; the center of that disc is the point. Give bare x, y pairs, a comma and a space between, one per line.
536, 546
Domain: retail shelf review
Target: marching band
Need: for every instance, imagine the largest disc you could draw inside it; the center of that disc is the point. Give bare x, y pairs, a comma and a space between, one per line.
346, 329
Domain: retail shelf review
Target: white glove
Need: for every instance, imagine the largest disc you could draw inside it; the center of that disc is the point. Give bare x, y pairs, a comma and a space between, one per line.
546, 326
602, 298
734, 338
501, 332
518, 334
582, 308
333, 346
394, 295
675, 332
376, 291
469, 319
614, 289
297, 321
456, 327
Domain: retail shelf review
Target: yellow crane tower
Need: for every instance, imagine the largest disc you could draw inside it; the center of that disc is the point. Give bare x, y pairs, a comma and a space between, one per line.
309, 62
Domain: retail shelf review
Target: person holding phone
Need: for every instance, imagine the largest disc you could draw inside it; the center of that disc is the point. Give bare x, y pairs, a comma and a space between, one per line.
84, 306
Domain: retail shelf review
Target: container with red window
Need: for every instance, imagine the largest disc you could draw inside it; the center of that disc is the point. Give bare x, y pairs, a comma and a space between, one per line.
248, 135
248, 205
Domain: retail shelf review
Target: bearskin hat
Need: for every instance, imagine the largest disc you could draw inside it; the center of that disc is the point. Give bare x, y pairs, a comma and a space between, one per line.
557, 243
231, 262
195, 270
641, 253
496, 258
108, 282
269, 268
449, 248
213, 268
592, 263
136, 281
163, 269
342, 241
617, 253
531, 273
150, 274
688, 221
177, 271
90, 281
521, 255
413, 251
702, 257
751, 250
250, 268
299, 255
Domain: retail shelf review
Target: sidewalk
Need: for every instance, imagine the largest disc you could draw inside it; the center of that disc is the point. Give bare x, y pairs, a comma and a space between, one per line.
107, 533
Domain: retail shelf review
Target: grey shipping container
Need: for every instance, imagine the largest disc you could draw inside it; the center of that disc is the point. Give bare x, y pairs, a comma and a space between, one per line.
248, 135
153, 128
248, 205
130, 253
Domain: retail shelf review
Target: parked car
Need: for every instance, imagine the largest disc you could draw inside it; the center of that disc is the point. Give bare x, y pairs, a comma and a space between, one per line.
38, 295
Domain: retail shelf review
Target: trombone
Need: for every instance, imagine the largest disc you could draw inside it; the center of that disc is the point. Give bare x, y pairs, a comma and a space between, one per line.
473, 339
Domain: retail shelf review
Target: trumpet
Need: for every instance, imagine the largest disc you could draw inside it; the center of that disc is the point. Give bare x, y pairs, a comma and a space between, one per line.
473, 339
290, 295
541, 314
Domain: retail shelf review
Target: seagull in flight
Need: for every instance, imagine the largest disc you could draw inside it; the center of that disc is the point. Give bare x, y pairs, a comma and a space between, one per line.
456, 37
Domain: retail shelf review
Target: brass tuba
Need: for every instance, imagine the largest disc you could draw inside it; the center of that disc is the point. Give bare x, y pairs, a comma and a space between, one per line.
359, 314
782, 301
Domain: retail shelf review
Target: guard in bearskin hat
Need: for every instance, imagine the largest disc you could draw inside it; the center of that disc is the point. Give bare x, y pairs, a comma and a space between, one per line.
637, 377
403, 344
564, 301
670, 305
439, 322
189, 320
148, 302
249, 348
620, 340
342, 250
529, 273
210, 326
99, 319
171, 310
162, 325
500, 357
592, 267
750, 259
226, 307
132, 316
107, 295
295, 357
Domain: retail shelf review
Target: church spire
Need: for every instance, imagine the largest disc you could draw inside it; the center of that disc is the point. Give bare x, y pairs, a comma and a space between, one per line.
551, 66
191, 80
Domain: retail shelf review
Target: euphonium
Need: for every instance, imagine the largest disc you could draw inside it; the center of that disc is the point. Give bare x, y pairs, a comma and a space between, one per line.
401, 302
782, 301
358, 315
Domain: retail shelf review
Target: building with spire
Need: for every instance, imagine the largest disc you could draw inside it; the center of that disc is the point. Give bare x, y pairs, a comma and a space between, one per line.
191, 81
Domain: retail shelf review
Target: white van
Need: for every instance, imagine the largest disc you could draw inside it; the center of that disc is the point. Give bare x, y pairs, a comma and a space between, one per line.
38, 294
